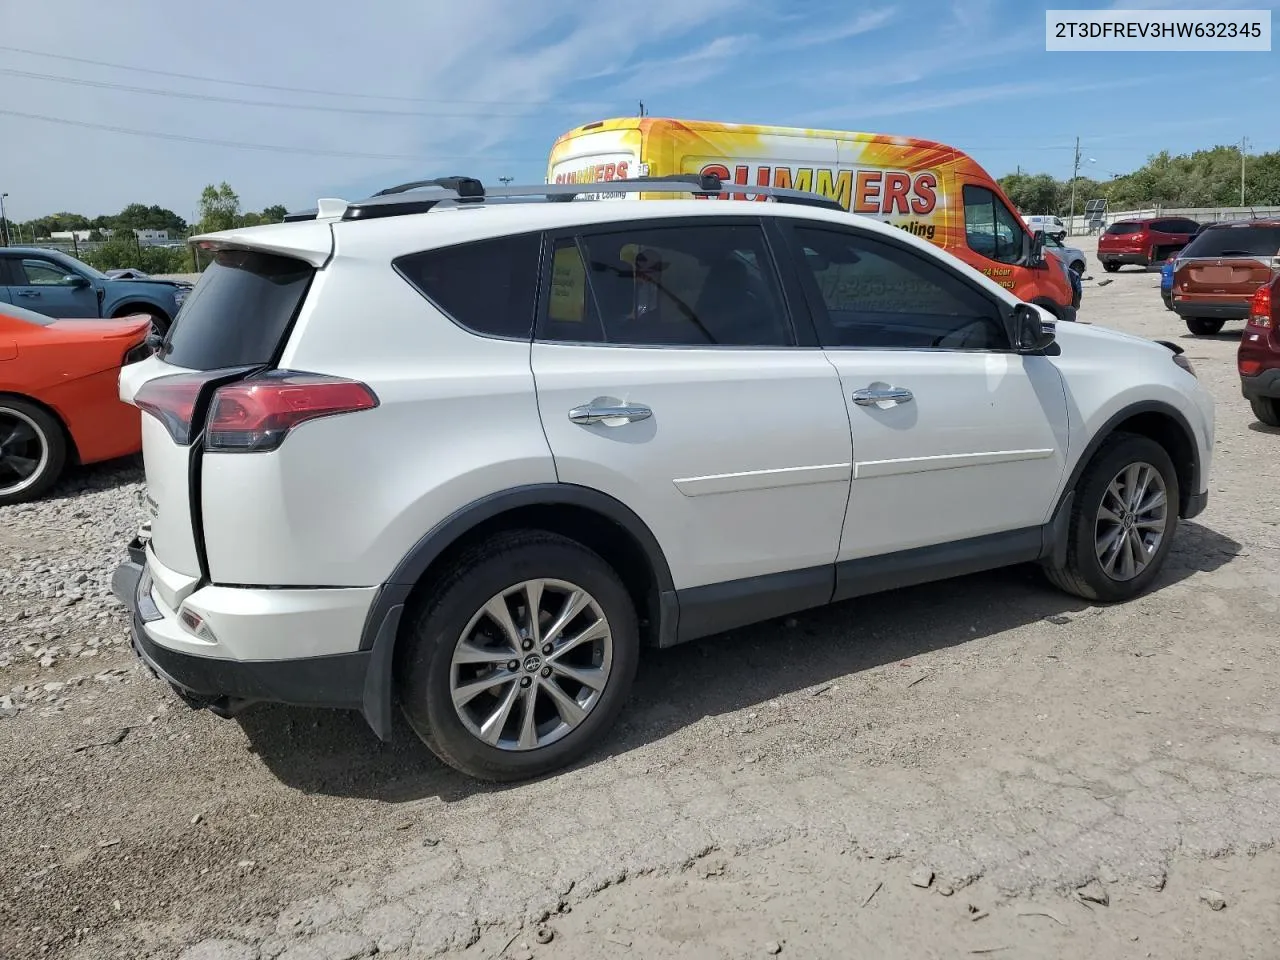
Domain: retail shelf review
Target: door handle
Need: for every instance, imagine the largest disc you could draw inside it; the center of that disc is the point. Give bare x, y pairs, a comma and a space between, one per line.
869, 397
601, 409
28, 293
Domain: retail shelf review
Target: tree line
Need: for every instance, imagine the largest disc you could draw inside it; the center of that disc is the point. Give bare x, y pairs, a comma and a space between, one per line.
113, 243
1205, 178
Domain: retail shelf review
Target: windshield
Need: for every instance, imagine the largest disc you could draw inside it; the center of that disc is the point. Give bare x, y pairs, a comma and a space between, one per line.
1237, 241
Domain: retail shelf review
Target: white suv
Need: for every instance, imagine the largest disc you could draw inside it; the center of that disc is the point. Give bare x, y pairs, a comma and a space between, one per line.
468, 456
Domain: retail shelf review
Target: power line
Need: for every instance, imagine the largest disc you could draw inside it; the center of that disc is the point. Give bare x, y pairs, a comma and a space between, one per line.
270, 148
266, 86
239, 101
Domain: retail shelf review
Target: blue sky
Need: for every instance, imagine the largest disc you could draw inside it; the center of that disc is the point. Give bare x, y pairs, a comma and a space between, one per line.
341, 104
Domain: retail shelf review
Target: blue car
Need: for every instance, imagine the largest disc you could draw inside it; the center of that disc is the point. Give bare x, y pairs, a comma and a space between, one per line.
52, 283
1166, 283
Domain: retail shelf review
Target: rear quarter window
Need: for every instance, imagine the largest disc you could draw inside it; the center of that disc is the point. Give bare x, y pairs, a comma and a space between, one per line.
240, 312
489, 287
1122, 228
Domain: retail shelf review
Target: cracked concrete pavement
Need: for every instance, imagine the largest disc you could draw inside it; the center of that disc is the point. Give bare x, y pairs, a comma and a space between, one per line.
1015, 742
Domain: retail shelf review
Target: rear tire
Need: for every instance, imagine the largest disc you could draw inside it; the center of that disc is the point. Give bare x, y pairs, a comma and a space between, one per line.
33, 451
1204, 326
1096, 568
1267, 410
455, 645
1110, 267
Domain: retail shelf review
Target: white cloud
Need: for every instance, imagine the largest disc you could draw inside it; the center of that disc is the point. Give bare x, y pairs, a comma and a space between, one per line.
865, 22
964, 96
481, 62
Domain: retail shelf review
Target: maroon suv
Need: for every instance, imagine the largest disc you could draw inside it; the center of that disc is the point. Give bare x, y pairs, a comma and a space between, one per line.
1143, 242
1258, 356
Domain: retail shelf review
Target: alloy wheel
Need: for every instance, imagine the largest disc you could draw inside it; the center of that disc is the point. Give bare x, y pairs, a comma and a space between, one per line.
23, 451
531, 664
1132, 520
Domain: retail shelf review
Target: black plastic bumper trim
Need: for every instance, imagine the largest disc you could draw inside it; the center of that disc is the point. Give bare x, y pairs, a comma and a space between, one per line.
1212, 311
1265, 385
1196, 504
360, 680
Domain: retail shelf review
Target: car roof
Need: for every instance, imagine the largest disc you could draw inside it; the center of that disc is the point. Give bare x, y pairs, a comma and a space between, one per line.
22, 251
1254, 222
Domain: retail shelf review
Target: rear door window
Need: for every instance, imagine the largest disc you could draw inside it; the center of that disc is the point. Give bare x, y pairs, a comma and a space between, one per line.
1248, 241
490, 287
697, 285
240, 312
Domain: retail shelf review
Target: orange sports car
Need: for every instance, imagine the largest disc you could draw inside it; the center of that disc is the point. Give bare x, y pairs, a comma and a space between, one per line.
59, 400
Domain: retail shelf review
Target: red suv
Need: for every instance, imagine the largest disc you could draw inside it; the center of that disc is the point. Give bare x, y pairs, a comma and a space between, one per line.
1216, 276
1258, 358
1143, 242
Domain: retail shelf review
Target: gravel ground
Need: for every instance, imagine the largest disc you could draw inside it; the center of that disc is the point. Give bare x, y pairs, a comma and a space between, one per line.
978, 765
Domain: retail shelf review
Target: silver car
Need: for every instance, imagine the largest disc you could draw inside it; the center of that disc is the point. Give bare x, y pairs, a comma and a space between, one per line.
1073, 257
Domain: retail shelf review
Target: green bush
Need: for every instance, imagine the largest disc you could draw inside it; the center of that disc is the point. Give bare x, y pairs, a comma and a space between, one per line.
119, 254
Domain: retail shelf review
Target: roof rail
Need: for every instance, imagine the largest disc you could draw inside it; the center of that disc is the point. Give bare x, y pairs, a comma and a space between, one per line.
420, 196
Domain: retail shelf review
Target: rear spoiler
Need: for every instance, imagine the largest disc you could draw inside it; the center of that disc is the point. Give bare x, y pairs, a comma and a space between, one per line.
312, 242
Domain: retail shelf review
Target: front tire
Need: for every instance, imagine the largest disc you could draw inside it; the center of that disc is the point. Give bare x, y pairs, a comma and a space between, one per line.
1123, 519
1203, 326
1076, 267
504, 695
1267, 410
33, 451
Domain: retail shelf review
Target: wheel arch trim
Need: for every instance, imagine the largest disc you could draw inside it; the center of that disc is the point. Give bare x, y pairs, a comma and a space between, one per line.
395, 590
1186, 498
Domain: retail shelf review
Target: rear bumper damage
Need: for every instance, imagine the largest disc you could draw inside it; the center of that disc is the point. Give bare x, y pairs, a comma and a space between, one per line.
360, 680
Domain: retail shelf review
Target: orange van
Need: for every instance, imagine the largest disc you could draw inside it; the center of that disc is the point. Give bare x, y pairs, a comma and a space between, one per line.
929, 189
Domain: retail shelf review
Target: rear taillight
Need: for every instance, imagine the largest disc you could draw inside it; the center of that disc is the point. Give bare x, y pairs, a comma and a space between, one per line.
252, 416
1260, 308
172, 401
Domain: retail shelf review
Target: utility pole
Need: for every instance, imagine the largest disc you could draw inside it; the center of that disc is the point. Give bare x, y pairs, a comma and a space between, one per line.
505, 180
4, 220
1244, 144
642, 113
1075, 172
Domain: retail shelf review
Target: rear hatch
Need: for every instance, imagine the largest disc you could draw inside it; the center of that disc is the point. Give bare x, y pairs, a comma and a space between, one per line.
1122, 238
236, 321
1227, 264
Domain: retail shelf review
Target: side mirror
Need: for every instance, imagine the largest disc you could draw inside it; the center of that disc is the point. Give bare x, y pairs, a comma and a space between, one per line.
1033, 249
76, 280
1032, 333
